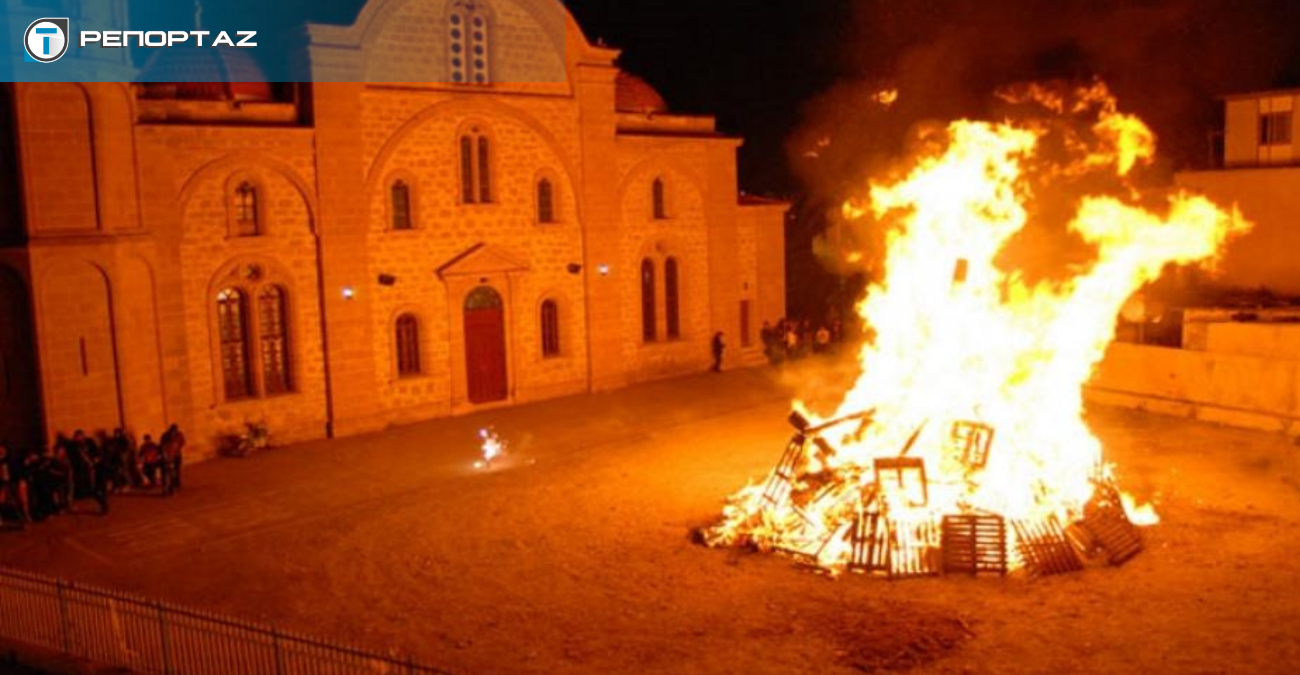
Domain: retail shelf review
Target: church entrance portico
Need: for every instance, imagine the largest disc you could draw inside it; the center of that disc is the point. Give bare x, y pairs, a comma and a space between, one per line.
482, 284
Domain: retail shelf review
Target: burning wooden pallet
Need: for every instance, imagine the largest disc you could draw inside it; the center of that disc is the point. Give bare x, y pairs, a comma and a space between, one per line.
1044, 548
973, 441
974, 544
1105, 520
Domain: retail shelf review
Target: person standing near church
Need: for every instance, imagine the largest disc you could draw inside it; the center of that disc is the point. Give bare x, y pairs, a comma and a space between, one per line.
719, 346
173, 443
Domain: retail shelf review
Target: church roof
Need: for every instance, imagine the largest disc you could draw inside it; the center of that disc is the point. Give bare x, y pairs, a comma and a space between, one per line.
205, 73
635, 95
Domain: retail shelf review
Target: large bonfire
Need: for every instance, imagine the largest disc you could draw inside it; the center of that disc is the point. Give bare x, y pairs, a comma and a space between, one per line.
970, 397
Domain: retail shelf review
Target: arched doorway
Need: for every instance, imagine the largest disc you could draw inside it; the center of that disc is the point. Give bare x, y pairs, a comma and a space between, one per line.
485, 346
20, 396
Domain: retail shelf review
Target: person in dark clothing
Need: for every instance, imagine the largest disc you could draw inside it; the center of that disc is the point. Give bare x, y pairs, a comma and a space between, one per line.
151, 459
118, 454
101, 477
78, 452
173, 445
51, 477
718, 348
767, 335
13, 487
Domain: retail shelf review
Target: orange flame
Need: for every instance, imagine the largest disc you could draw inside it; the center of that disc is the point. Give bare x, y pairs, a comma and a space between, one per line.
957, 338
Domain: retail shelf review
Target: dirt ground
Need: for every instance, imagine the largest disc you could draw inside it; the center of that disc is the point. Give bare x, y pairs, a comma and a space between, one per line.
577, 557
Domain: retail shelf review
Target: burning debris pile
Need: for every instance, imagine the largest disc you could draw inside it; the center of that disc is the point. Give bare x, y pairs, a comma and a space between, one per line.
962, 447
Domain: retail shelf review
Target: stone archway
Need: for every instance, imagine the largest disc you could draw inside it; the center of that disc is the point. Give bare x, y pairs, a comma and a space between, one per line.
20, 396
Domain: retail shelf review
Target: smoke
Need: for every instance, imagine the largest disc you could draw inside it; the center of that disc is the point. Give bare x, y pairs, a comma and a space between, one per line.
1166, 61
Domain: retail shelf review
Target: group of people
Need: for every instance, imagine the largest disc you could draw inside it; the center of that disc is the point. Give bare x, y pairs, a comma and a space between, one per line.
40, 483
791, 339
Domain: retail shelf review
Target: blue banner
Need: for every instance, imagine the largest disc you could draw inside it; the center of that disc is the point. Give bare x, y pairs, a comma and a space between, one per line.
400, 41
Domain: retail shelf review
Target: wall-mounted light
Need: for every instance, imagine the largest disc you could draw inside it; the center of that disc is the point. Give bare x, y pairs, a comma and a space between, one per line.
349, 293
603, 268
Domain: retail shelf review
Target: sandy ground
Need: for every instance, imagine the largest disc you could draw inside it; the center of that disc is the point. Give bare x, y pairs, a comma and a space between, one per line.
577, 559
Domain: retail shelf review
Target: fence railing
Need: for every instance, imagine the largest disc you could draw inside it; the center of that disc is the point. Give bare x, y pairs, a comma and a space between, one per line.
118, 630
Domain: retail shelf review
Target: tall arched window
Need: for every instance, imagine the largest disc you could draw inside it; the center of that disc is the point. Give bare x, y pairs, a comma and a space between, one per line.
545, 201
672, 314
400, 198
273, 334
657, 198
408, 345
246, 216
484, 169
232, 328
550, 324
467, 192
649, 332
475, 167
470, 36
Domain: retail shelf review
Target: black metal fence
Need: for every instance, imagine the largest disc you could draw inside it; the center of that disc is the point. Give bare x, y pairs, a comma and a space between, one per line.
115, 629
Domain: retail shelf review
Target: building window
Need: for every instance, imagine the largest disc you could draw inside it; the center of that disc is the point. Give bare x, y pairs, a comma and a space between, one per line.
408, 345
657, 197
550, 329
649, 332
475, 168
467, 193
232, 325
1275, 128
400, 198
247, 218
545, 201
671, 305
274, 338
484, 169
470, 35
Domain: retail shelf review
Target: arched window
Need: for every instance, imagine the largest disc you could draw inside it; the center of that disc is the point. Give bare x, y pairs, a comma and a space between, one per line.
470, 41
545, 201
408, 345
475, 167
657, 198
484, 171
232, 328
649, 332
672, 313
400, 197
246, 216
273, 333
550, 329
467, 192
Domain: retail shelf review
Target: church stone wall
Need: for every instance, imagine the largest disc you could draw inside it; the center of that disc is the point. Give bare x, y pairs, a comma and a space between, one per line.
131, 238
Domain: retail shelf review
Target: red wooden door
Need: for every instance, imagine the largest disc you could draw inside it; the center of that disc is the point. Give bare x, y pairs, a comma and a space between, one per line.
485, 346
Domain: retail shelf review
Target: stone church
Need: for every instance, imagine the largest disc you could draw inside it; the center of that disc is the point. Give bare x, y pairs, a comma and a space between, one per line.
334, 258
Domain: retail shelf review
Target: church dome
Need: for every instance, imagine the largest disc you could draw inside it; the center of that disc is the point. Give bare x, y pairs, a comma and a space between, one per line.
205, 74
635, 95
